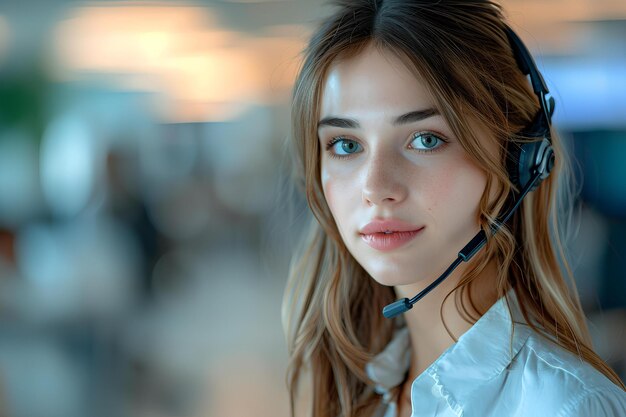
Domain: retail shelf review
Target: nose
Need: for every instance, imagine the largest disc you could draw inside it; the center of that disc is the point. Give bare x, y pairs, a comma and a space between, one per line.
385, 181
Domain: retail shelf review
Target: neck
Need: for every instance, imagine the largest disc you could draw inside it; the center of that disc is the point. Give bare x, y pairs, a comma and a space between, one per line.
429, 337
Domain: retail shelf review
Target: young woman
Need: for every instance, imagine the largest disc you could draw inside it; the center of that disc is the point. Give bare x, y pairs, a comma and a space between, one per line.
416, 131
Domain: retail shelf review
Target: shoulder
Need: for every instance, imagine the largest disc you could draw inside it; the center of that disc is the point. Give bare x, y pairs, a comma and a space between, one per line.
566, 384
596, 402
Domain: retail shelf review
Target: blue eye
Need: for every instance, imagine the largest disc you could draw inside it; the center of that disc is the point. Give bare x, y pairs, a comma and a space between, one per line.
428, 142
345, 145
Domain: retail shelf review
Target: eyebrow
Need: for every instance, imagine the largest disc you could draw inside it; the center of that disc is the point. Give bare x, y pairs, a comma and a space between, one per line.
410, 117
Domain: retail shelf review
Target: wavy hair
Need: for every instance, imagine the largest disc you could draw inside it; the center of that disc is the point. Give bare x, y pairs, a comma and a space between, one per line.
331, 306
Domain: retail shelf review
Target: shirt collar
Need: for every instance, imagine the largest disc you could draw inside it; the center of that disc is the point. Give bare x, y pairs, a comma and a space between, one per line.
481, 353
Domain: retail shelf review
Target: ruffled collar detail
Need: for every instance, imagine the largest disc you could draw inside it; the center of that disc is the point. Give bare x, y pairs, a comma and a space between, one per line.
388, 368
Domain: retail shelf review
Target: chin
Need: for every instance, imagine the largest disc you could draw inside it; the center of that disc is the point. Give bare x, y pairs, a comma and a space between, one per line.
394, 279
395, 271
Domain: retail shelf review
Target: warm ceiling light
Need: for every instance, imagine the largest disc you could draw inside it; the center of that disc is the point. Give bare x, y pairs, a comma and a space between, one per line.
201, 71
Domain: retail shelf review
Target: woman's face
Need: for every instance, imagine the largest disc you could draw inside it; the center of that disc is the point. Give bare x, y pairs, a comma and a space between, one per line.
384, 166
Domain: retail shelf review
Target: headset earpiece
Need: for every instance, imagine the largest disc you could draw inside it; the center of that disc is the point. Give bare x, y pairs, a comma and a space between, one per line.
524, 159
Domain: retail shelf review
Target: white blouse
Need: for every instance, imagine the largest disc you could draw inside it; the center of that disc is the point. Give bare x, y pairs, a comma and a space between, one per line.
488, 373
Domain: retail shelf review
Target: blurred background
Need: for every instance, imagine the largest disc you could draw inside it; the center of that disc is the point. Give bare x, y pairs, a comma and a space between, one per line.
144, 233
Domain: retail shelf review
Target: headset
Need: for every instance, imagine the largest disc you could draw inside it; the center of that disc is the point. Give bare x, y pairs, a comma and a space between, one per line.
528, 164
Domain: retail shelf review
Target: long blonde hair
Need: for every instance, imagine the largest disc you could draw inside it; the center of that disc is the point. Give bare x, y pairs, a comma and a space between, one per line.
332, 307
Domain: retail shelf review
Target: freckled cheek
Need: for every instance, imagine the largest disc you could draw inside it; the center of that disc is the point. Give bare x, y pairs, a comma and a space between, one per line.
451, 189
331, 183
338, 190
434, 189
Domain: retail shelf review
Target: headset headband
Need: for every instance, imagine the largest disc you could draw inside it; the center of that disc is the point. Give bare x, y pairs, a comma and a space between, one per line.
527, 65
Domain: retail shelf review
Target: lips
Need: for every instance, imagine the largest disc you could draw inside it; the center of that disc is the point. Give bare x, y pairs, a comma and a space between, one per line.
390, 234
389, 225
389, 242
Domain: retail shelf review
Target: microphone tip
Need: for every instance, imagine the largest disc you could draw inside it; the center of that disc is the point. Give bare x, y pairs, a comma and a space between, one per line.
396, 308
